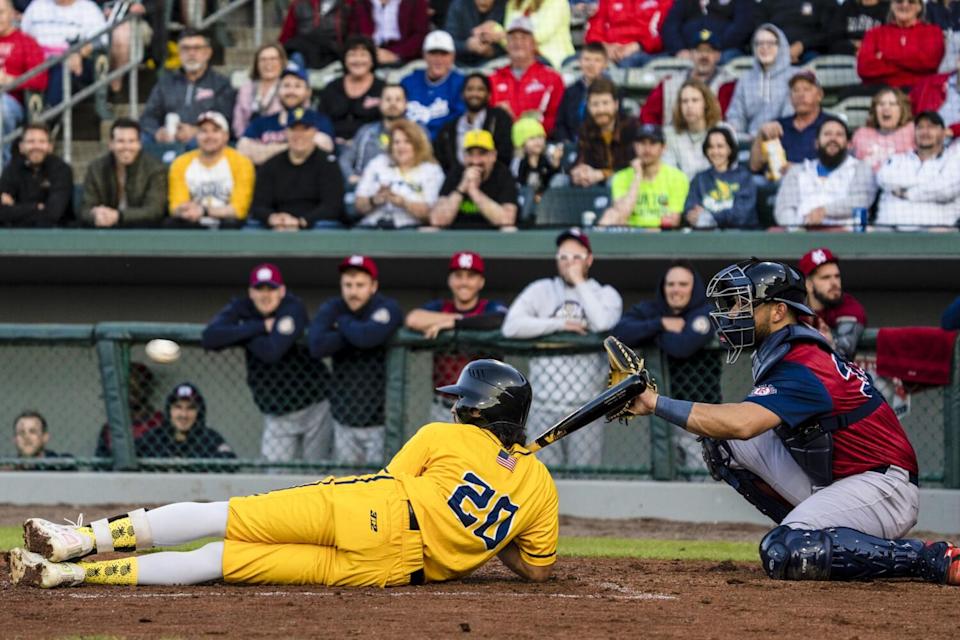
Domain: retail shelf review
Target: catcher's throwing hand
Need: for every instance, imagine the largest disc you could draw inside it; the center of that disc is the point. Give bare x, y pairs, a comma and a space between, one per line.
644, 404
624, 363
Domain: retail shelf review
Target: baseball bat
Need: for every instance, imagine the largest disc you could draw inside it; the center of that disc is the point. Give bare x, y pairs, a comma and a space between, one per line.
611, 399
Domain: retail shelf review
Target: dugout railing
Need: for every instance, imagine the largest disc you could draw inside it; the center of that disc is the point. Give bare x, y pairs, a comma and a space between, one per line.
99, 393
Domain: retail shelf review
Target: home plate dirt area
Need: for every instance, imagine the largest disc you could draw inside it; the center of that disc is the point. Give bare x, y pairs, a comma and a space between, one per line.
586, 599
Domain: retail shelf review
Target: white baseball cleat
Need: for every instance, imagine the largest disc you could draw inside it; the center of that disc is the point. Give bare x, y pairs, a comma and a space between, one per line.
56, 542
33, 570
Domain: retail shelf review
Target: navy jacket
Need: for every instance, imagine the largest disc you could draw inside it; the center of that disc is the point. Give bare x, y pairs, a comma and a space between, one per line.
951, 317
733, 21
201, 442
282, 376
730, 197
355, 342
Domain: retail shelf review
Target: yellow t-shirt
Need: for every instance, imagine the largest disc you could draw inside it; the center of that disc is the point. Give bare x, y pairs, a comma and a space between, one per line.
469, 505
666, 193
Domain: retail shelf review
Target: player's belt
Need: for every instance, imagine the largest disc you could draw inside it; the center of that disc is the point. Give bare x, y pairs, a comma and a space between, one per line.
914, 478
417, 576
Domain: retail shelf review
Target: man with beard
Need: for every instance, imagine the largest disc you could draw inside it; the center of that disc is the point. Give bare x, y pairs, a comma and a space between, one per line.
434, 94
571, 302
187, 94
184, 433
352, 330
36, 188
266, 136
480, 195
371, 139
704, 51
605, 141
465, 310
448, 145
825, 192
840, 317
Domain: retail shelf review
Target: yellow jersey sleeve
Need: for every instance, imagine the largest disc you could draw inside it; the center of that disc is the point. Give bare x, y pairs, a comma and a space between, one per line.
538, 542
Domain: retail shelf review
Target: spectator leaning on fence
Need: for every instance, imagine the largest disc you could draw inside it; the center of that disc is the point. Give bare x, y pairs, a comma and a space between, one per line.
763, 93
212, 186
19, 53
826, 192
184, 432
573, 107
289, 387
260, 94
940, 93
353, 99
889, 129
179, 97
850, 23
124, 187
694, 113
266, 136
478, 115
571, 302
732, 22
840, 317
648, 193
372, 139
631, 31
677, 322
797, 133
704, 53
58, 24
353, 329
397, 27
902, 52
526, 86
481, 194
301, 187
476, 28
36, 187
399, 188
725, 195
605, 140
435, 94
464, 310
920, 188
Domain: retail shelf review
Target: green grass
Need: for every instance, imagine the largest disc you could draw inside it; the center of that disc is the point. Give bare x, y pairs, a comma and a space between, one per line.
582, 547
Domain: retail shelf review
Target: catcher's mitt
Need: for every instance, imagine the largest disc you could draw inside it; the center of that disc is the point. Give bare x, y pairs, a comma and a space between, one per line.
624, 363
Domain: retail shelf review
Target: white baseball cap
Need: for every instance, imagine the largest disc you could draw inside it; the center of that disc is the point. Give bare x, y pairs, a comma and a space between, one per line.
215, 117
521, 23
438, 41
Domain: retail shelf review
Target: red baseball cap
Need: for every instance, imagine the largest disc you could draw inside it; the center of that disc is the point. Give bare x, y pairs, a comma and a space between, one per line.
266, 274
467, 260
573, 233
363, 263
814, 258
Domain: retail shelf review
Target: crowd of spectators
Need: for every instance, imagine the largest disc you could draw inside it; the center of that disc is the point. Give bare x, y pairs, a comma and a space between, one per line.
369, 153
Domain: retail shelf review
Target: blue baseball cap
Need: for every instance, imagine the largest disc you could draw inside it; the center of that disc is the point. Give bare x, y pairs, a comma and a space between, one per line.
305, 117
293, 69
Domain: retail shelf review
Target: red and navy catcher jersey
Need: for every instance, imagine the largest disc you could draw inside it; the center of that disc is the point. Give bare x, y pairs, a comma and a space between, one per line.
809, 382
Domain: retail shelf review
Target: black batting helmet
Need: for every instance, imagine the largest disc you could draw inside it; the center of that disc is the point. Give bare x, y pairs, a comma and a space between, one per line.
500, 394
739, 288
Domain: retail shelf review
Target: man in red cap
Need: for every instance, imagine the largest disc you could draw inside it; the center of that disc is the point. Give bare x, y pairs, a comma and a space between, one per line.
352, 330
289, 387
464, 310
571, 302
840, 317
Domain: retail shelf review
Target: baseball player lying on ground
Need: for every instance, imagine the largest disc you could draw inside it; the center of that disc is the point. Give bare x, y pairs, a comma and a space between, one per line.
453, 497
814, 445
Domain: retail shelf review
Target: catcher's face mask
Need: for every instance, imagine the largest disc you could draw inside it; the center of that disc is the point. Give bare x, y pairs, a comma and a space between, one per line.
732, 293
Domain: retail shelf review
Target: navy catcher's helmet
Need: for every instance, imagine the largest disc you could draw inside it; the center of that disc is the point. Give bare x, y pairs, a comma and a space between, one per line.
496, 390
739, 288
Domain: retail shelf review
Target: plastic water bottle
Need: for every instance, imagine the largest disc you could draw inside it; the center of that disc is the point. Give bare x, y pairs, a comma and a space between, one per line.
588, 219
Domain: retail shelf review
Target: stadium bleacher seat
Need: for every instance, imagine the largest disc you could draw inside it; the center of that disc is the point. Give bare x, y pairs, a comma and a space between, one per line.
646, 78
394, 76
835, 72
319, 78
739, 66
855, 109
564, 206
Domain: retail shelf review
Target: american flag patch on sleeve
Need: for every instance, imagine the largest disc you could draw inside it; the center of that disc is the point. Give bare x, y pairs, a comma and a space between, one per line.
506, 461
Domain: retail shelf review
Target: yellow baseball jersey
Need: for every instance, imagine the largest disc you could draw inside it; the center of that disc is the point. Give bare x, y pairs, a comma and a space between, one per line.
472, 498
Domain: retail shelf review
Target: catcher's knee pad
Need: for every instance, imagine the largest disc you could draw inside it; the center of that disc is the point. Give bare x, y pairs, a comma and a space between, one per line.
717, 456
796, 554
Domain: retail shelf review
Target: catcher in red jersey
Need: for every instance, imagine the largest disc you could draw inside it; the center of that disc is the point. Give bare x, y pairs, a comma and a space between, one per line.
456, 495
814, 445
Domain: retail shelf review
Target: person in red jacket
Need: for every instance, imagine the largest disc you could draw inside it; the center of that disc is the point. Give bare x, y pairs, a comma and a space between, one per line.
940, 93
631, 31
19, 53
398, 33
539, 89
902, 52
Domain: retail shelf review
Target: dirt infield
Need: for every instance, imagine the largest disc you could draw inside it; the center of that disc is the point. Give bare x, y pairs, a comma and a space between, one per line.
586, 599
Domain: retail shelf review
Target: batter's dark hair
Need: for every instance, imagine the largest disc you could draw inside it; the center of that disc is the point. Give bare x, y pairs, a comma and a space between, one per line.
508, 433
31, 413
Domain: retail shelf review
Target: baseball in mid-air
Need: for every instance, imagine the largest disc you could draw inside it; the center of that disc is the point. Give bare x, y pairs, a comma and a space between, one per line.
163, 351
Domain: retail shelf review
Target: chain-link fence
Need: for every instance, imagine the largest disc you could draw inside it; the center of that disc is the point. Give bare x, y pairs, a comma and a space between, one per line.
109, 406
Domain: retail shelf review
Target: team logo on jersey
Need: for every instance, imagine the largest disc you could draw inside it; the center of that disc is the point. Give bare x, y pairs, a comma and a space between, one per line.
506, 461
763, 390
381, 315
286, 325
701, 325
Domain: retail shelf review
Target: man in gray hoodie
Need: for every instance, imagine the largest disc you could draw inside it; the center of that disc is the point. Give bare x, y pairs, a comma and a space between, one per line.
763, 93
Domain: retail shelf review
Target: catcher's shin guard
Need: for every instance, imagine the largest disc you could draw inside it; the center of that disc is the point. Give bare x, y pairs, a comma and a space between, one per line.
716, 454
840, 553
